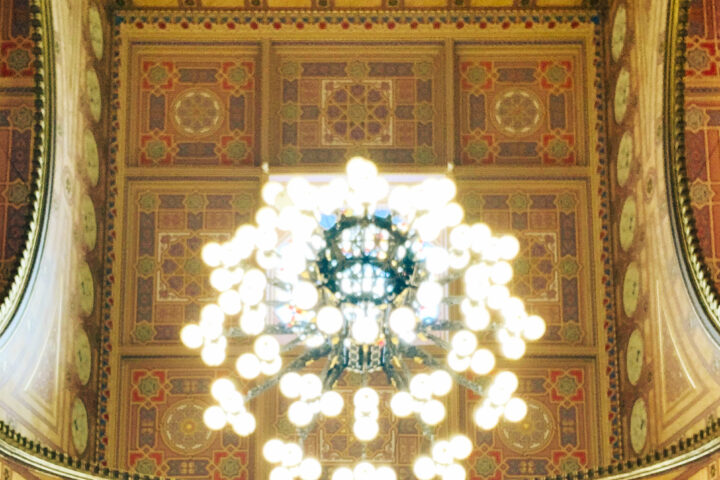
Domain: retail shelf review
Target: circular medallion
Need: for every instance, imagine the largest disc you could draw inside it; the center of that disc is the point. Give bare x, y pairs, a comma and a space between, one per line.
517, 112
83, 356
624, 158
92, 159
197, 112
531, 434
183, 429
634, 356
95, 29
622, 95
89, 224
631, 289
86, 289
94, 96
638, 425
628, 222
619, 30
79, 426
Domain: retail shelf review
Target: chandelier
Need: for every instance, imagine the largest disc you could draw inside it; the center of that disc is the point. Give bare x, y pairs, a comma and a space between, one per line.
363, 275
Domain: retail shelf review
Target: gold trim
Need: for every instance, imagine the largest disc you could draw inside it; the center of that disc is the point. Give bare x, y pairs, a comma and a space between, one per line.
696, 272
42, 158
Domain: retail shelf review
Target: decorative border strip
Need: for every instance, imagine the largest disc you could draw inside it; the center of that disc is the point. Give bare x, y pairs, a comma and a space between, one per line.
43, 154
697, 274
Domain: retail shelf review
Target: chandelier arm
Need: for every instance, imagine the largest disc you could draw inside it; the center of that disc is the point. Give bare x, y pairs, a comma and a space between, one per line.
438, 341
297, 364
441, 325
334, 367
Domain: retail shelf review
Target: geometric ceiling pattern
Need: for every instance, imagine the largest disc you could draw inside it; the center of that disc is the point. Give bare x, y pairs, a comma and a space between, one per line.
201, 101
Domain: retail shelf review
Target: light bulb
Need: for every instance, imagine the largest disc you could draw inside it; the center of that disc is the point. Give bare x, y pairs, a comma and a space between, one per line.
221, 388
252, 321
299, 413
497, 295
461, 447
432, 412
293, 455
272, 450
266, 347
211, 328
457, 363
270, 192
476, 317
272, 367
213, 353
360, 171
365, 430
515, 410
211, 313
445, 189
310, 469
482, 361
299, 189
365, 399
507, 381
401, 404
329, 320
214, 418
501, 273
331, 403
243, 424
424, 468
402, 320
513, 348
266, 218
364, 471
460, 237
509, 247
453, 214
400, 200
437, 260
191, 336
534, 327
232, 403
486, 417
221, 279
441, 382
442, 452
290, 384
248, 366
280, 473
212, 254
230, 302
429, 294
256, 277
421, 386
464, 343
365, 330
459, 259
305, 295
479, 236
311, 386
342, 473
454, 472
385, 473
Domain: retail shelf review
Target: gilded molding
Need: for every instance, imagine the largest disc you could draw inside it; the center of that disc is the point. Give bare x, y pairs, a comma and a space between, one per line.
42, 158
696, 272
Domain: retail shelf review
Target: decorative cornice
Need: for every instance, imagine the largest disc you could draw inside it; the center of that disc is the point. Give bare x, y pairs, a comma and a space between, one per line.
42, 163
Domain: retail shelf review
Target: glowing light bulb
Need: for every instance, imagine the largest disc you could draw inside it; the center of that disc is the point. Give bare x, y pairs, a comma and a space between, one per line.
509, 247
212, 254
432, 412
305, 295
365, 430
534, 327
464, 343
273, 450
248, 366
266, 347
310, 469
271, 191
343, 473
214, 418
331, 403
290, 385
515, 410
191, 336
401, 404
441, 382
299, 413
221, 388
329, 320
424, 468
442, 452
366, 399
461, 447
421, 386
429, 294
482, 361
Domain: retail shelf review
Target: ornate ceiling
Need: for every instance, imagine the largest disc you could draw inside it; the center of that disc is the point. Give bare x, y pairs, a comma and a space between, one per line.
199, 101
